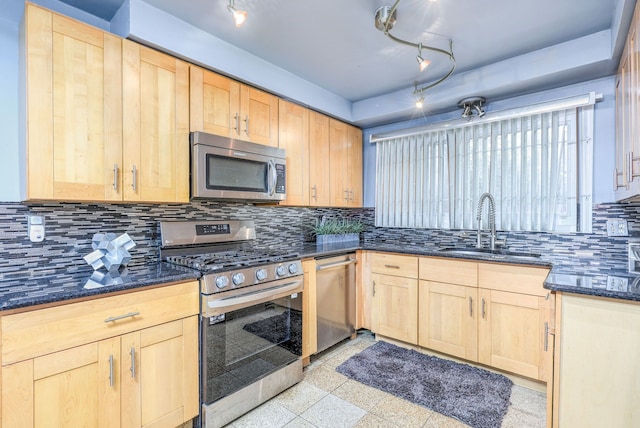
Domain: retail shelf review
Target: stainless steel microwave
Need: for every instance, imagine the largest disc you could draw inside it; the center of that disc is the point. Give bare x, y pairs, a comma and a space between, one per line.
224, 168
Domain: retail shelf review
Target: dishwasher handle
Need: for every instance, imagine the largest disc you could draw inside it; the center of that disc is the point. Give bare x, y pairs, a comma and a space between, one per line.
337, 264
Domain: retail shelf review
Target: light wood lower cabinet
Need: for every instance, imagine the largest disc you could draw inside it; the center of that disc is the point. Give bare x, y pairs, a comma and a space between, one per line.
516, 314
448, 319
596, 374
395, 296
309, 311
143, 378
512, 333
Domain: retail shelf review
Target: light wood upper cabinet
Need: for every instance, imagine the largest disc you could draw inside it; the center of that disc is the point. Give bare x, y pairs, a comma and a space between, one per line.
107, 119
345, 152
70, 366
156, 126
74, 109
223, 106
214, 103
319, 161
627, 171
294, 138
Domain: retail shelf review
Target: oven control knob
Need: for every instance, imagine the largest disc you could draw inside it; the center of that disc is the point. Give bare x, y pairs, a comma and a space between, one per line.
281, 271
222, 281
261, 274
293, 269
237, 278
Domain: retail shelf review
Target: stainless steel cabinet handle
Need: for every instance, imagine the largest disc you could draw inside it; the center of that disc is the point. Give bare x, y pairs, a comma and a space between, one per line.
616, 186
111, 379
374, 288
335, 265
483, 309
314, 193
392, 266
351, 197
120, 317
246, 125
346, 195
632, 159
133, 362
237, 127
546, 336
134, 184
471, 307
115, 177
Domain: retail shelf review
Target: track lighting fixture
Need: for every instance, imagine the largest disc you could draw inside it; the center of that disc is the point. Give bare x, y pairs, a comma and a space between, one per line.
422, 63
385, 18
472, 106
239, 16
420, 102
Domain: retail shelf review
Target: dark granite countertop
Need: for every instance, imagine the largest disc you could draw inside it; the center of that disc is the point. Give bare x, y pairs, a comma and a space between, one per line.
41, 287
616, 284
51, 286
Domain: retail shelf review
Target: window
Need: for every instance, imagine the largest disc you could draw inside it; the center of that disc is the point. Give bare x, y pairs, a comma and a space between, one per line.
536, 163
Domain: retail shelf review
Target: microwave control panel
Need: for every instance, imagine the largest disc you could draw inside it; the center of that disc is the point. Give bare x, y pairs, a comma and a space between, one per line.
281, 178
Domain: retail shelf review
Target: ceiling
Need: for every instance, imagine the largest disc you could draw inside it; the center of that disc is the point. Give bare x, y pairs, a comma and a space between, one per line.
335, 45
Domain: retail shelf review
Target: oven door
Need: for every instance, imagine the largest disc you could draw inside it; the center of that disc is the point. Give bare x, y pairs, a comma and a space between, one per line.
248, 336
231, 173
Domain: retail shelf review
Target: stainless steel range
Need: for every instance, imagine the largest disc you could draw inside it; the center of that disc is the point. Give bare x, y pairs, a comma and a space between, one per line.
251, 314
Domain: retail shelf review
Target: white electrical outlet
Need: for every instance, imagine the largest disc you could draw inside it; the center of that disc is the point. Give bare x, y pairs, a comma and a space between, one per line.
617, 227
35, 228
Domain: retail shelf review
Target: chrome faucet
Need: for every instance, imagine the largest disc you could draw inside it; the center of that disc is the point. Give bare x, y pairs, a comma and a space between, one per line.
492, 220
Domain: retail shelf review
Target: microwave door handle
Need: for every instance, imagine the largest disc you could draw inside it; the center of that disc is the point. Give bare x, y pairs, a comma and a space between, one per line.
273, 177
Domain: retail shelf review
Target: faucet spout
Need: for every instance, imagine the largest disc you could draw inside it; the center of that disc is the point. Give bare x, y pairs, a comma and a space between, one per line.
492, 220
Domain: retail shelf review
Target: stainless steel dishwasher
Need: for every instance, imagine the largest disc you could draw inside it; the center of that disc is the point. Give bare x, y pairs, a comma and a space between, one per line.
336, 298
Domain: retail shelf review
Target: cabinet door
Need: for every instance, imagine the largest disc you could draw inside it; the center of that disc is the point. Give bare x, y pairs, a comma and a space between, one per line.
319, 162
448, 319
294, 138
512, 333
338, 154
74, 109
354, 166
309, 311
159, 374
78, 387
396, 307
258, 116
214, 103
597, 380
156, 126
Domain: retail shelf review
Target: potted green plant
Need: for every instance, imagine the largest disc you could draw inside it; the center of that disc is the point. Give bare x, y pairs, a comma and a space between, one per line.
332, 231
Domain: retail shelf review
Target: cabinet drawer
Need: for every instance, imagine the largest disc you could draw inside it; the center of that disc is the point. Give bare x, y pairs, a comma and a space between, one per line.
395, 265
516, 279
449, 271
43, 331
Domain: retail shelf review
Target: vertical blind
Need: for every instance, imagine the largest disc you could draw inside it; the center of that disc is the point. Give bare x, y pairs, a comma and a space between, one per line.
529, 163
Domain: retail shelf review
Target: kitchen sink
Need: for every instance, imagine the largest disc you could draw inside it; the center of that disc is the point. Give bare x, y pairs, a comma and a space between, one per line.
486, 252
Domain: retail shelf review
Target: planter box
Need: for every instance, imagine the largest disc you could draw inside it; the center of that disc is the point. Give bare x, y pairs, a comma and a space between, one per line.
337, 239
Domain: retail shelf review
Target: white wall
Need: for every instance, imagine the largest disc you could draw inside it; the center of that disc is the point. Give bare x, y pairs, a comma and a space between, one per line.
604, 144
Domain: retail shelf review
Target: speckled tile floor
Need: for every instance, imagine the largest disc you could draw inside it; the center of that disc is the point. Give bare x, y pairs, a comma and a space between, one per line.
327, 399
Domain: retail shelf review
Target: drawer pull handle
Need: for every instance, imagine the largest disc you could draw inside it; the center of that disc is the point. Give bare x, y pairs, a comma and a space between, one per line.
483, 310
133, 362
546, 336
120, 317
471, 307
392, 266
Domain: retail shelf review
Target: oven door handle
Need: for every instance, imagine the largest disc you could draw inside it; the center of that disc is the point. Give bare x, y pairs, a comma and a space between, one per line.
220, 306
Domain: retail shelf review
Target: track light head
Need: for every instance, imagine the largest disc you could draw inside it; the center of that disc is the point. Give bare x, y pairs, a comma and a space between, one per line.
239, 16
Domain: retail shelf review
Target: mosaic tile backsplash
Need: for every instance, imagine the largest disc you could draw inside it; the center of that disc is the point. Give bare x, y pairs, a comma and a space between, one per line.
71, 226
